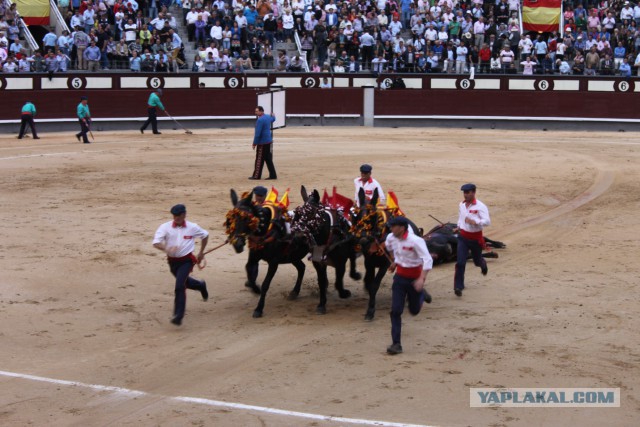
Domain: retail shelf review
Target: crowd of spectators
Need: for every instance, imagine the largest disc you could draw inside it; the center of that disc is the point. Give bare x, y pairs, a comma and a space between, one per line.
409, 36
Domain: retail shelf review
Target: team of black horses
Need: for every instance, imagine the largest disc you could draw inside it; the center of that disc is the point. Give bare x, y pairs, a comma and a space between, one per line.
322, 232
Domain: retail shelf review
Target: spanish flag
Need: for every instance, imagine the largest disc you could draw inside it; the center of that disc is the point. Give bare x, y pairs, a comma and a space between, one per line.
392, 203
541, 15
272, 197
34, 12
284, 200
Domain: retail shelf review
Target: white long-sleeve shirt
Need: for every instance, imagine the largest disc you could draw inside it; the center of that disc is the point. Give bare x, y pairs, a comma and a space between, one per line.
477, 211
182, 238
369, 186
409, 251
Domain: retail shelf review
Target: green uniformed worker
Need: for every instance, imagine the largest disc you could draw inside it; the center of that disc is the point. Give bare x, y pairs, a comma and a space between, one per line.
84, 116
153, 103
28, 113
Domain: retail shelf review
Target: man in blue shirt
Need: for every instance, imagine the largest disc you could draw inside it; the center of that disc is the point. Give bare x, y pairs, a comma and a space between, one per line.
625, 68
263, 144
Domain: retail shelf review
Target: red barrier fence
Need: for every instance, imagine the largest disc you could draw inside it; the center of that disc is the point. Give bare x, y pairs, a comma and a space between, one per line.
234, 95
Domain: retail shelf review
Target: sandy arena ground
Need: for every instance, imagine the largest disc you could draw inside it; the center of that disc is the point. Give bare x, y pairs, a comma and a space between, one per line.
85, 298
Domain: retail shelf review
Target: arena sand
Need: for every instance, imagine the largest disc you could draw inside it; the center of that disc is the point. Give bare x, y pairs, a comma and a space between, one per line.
84, 296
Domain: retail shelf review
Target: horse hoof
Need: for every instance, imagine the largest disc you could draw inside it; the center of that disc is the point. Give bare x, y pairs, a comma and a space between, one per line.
345, 293
321, 310
355, 276
368, 317
257, 314
292, 296
254, 288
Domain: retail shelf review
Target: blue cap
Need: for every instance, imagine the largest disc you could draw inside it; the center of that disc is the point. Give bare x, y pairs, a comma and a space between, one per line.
159, 92
178, 209
260, 191
468, 187
82, 98
398, 220
365, 168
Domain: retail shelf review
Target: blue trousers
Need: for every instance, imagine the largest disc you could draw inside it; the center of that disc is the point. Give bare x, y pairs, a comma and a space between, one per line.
181, 271
464, 246
401, 291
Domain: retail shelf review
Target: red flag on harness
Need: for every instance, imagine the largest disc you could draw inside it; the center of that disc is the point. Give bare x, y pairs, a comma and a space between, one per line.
337, 201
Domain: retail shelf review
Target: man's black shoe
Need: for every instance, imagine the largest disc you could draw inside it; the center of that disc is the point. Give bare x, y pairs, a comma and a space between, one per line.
484, 270
458, 292
36, 137
157, 133
204, 292
176, 321
142, 131
272, 178
427, 296
251, 177
78, 137
394, 349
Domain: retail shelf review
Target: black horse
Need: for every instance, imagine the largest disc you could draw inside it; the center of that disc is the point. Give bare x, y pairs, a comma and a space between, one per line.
442, 242
265, 230
370, 228
326, 232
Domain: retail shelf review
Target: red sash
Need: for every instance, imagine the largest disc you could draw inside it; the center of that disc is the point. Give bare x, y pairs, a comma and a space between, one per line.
474, 235
409, 272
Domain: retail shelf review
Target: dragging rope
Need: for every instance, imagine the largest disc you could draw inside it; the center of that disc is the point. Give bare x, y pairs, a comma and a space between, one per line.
202, 264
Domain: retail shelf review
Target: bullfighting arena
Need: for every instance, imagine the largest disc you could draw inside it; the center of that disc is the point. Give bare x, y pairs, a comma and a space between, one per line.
86, 300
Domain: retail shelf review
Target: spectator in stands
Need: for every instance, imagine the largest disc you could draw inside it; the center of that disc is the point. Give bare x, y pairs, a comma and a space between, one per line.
578, 64
592, 60
148, 63
49, 41
625, 68
24, 65
198, 64
484, 57
92, 56
38, 61
210, 63
541, 49
135, 63
89, 19
563, 67
528, 66
224, 64
51, 62
243, 63
507, 57
461, 58
607, 66
63, 61
296, 64
15, 49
